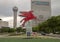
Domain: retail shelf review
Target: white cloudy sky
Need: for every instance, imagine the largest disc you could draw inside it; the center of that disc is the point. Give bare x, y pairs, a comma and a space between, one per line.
6, 8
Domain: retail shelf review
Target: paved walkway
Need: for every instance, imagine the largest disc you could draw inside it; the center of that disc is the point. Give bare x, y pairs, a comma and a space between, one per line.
46, 37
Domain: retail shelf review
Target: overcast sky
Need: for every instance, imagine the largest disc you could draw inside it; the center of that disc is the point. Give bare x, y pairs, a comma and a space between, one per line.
7, 5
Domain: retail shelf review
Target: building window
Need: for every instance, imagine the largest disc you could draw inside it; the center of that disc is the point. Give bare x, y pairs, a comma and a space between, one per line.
40, 17
40, 3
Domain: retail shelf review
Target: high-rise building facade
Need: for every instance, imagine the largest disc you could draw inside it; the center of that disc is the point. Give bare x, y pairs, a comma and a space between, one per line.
3, 23
41, 9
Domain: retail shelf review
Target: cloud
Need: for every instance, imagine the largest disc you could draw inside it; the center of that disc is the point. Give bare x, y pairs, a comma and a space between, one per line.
10, 20
6, 12
55, 4
7, 5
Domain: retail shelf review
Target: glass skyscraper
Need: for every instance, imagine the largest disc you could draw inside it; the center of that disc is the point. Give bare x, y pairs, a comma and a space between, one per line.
41, 9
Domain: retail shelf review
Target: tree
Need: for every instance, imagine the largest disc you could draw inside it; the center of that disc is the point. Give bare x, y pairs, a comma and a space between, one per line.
4, 29
19, 29
11, 30
52, 25
35, 29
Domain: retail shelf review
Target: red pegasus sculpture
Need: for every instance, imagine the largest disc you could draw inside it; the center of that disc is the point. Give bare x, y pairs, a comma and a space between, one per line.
28, 16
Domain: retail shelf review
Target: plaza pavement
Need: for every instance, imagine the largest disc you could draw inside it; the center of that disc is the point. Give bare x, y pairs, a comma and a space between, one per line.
24, 36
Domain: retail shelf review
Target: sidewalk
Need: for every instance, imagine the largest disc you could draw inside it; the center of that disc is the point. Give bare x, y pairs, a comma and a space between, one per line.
45, 37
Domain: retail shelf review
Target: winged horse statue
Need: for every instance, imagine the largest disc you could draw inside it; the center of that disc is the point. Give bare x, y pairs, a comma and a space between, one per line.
27, 16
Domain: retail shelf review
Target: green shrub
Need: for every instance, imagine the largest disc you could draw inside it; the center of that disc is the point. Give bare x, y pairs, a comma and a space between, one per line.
11, 30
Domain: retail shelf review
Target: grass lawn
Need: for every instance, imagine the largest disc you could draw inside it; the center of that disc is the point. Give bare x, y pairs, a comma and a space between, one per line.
27, 40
